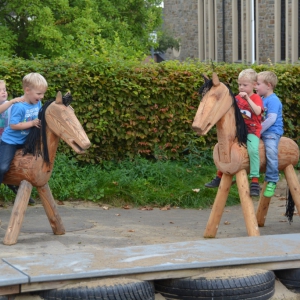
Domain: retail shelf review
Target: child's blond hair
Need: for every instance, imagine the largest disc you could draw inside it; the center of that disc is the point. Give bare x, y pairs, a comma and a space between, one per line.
2, 81
249, 74
34, 80
269, 77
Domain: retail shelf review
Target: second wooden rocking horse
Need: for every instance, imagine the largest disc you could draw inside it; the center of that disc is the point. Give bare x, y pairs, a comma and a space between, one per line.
35, 168
217, 107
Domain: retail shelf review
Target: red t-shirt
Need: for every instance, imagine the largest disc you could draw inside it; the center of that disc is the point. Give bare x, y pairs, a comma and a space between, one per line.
253, 122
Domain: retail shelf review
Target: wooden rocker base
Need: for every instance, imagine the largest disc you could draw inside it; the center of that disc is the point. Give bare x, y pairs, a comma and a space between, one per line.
19, 209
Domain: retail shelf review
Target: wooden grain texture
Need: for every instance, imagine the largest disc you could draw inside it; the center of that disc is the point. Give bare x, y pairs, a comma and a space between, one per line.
218, 207
216, 108
51, 210
262, 207
17, 214
247, 203
30, 170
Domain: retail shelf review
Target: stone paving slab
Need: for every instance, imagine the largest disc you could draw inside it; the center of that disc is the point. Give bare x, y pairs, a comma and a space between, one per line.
159, 258
11, 276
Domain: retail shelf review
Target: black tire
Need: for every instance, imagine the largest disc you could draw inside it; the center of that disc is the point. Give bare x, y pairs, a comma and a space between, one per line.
226, 284
103, 289
290, 278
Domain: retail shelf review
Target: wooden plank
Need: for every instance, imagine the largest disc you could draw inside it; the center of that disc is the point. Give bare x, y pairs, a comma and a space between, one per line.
9, 290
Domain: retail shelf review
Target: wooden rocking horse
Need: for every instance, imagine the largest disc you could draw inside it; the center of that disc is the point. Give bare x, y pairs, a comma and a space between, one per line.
230, 156
35, 168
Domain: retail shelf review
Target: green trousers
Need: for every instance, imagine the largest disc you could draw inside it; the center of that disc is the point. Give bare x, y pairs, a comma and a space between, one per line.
253, 151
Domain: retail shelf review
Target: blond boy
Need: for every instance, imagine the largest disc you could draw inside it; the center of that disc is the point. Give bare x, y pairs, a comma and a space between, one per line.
272, 127
24, 116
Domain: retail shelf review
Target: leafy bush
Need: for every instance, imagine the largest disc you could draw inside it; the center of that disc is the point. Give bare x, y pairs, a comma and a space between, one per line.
130, 108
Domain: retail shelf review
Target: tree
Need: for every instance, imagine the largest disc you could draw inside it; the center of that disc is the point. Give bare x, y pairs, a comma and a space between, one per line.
54, 28
166, 41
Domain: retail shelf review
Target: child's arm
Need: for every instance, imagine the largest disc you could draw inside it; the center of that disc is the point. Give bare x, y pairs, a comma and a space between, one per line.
255, 108
26, 125
268, 122
6, 105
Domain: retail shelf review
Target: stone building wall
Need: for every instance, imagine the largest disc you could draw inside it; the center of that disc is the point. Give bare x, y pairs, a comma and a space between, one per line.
181, 18
266, 28
227, 33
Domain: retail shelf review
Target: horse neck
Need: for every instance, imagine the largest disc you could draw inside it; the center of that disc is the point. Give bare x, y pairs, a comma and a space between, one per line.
226, 134
52, 143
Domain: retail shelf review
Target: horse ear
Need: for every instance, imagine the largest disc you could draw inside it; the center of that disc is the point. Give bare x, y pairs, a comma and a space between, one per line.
215, 79
58, 99
205, 77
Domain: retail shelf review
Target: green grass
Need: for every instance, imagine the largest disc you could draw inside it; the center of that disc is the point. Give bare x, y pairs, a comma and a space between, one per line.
139, 182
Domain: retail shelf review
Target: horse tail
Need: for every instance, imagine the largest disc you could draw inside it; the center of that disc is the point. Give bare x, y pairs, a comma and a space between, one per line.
290, 207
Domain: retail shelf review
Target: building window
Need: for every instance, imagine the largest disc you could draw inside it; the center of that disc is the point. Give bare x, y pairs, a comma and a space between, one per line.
282, 31
239, 25
298, 28
254, 38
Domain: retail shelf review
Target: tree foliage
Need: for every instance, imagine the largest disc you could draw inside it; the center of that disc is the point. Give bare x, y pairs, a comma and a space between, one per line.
69, 28
166, 41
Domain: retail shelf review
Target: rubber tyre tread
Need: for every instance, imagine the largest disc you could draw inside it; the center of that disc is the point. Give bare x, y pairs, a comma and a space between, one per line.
290, 278
139, 290
256, 286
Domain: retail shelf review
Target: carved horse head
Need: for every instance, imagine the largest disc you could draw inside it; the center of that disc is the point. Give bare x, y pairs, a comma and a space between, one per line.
216, 101
218, 107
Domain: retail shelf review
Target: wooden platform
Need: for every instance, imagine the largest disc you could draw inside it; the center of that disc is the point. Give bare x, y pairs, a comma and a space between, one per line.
172, 260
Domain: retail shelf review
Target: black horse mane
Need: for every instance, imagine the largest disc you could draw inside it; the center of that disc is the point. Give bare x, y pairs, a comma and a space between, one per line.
37, 136
241, 128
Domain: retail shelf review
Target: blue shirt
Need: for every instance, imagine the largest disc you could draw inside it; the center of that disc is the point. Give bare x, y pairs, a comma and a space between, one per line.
4, 119
273, 105
20, 112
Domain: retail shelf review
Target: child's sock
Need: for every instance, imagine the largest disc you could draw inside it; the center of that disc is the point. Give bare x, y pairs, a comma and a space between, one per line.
219, 174
254, 179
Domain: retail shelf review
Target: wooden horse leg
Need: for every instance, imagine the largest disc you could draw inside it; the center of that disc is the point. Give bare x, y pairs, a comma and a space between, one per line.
51, 210
218, 207
247, 203
262, 207
293, 183
17, 214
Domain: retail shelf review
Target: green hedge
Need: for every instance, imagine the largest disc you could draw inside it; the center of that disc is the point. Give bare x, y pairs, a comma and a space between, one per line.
132, 108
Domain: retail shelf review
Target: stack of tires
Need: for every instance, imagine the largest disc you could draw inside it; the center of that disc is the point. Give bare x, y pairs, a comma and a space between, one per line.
290, 278
103, 289
225, 284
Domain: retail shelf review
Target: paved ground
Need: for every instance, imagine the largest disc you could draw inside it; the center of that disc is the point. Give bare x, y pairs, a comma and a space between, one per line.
90, 227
